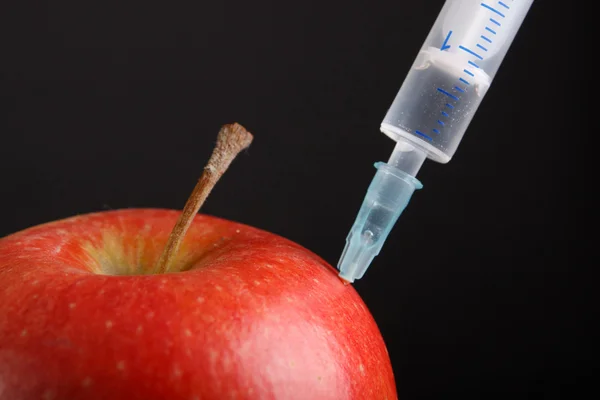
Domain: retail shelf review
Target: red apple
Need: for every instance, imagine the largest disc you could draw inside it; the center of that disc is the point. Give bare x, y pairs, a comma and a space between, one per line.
245, 314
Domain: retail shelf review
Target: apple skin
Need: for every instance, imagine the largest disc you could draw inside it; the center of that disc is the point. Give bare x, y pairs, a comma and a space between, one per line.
250, 315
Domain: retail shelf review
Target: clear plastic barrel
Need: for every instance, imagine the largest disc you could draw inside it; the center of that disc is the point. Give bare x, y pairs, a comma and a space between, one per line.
452, 73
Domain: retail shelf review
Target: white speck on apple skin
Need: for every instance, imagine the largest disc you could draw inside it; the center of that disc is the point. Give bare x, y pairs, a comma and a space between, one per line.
86, 382
256, 283
58, 249
265, 331
24, 332
34, 283
72, 305
212, 355
208, 318
237, 231
245, 348
315, 280
121, 365
150, 314
188, 332
200, 299
108, 324
218, 288
362, 369
176, 371
139, 330
226, 362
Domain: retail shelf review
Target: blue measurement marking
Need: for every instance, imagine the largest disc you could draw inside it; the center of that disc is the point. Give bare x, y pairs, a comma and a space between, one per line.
447, 94
445, 45
470, 52
424, 135
493, 10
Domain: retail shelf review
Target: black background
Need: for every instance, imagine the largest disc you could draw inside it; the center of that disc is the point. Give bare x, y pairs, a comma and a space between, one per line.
109, 106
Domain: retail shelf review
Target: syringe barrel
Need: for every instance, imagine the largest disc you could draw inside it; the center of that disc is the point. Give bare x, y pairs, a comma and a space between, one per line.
452, 73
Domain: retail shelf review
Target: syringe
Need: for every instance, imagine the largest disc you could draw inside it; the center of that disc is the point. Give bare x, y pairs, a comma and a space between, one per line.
431, 112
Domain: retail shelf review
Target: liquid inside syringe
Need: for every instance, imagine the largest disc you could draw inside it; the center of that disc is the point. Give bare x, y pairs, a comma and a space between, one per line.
437, 101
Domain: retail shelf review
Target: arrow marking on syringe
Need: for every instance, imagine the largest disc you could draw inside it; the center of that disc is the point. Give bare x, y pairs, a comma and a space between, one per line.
445, 45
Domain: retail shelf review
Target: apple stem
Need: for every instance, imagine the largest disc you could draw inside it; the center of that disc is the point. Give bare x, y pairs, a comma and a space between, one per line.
232, 139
